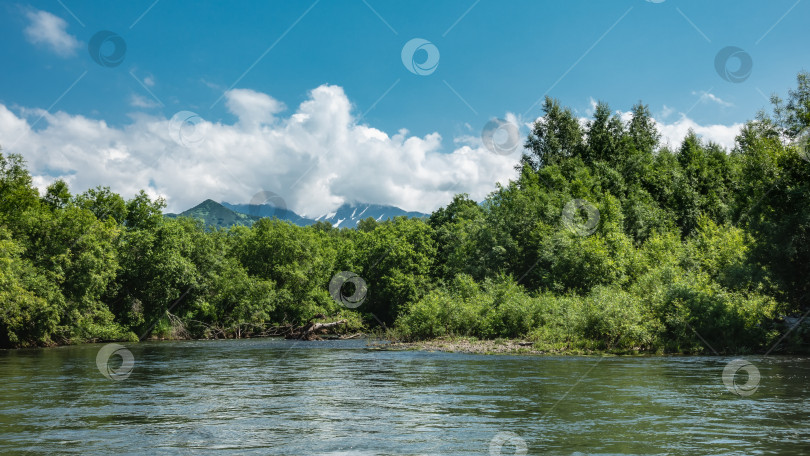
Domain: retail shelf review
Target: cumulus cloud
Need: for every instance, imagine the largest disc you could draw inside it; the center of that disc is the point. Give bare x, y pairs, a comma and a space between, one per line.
50, 31
672, 134
253, 108
316, 157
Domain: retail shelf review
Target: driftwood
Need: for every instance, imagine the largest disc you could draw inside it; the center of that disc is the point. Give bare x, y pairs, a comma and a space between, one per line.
311, 330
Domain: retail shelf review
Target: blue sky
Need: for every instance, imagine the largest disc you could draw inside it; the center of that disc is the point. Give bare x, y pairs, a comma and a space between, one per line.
495, 59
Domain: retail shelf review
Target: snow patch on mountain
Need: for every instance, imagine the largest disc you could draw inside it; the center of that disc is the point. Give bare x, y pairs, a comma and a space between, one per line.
348, 215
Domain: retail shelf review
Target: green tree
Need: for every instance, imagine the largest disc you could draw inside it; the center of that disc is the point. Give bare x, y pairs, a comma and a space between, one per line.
104, 204
143, 213
17, 194
57, 195
29, 304
395, 260
643, 133
557, 135
605, 135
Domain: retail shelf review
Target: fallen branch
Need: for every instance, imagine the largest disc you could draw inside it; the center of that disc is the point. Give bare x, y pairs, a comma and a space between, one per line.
311, 330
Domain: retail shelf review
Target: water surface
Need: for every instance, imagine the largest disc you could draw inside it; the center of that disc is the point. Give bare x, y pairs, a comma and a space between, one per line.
266, 396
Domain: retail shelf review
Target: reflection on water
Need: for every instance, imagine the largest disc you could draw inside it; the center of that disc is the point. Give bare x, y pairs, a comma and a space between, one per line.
298, 398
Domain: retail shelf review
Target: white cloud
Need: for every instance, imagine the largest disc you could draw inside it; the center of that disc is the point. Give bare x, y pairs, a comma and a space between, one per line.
316, 158
50, 31
253, 108
138, 101
672, 134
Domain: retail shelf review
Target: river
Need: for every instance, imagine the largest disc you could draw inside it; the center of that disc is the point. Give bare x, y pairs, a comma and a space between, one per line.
265, 396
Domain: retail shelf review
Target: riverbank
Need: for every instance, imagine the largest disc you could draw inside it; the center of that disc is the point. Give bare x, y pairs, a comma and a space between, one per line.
471, 345
493, 347
390, 341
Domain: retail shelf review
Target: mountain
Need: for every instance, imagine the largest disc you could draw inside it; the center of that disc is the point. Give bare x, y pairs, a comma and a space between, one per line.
268, 210
226, 214
347, 215
217, 215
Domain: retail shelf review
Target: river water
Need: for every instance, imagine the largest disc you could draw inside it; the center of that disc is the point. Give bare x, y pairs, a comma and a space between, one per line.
265, 396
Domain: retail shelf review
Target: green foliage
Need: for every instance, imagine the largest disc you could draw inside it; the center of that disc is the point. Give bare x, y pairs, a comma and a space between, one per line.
453, 230
615, 319
464, 308
395, 260
103, 204
604, 138
715, 318
554, 138
607, 319
156, 270
57, 195
297, 260
143, 213
17, 194
29, 305
643, 134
